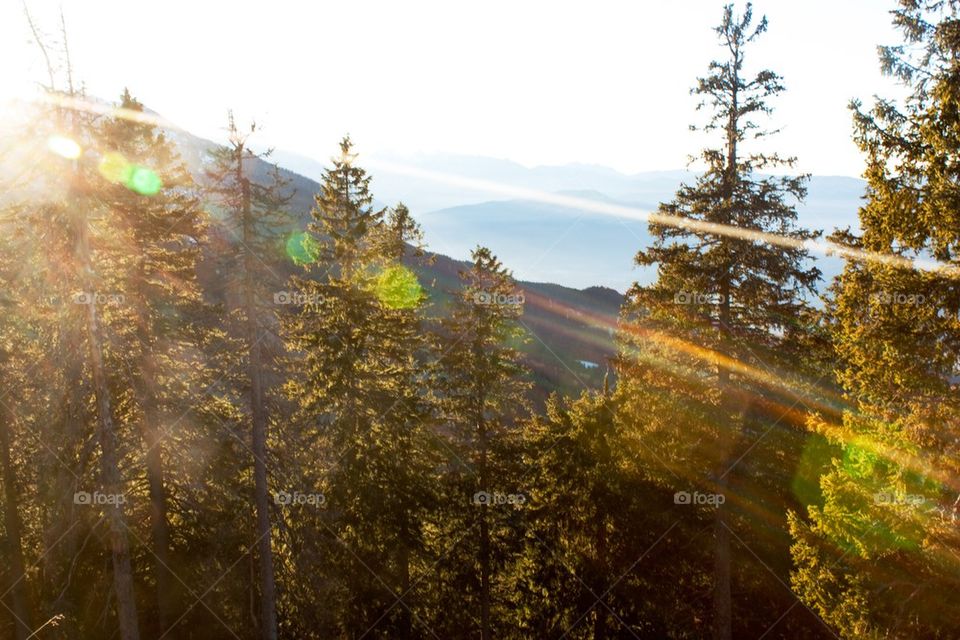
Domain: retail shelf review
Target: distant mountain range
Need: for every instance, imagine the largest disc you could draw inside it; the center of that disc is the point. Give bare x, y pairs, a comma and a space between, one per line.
460, 201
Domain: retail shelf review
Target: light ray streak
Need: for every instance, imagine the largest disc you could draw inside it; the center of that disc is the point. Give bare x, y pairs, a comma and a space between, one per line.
817, 247
77, 103
814, 246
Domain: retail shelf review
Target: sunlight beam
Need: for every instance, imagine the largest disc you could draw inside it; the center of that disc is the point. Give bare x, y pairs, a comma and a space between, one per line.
818, 247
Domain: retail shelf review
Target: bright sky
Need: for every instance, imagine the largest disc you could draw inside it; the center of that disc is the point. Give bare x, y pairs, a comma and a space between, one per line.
538, 82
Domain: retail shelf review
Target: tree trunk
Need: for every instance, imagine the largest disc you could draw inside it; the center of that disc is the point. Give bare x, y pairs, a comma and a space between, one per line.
166, 582
599, 610
159, 524
484, 541
722, 605
268, 592
19, 591
484, 574
112, 486
403, 554
61, 538
406, 622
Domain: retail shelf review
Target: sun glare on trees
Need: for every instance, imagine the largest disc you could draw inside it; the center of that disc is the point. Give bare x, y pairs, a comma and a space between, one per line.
64, 147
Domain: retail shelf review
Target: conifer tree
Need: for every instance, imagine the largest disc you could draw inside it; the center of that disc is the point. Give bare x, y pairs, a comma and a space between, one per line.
359, 348
482, 389
252, 224
151, 204
82, 204
43, 339
578, 520
722, 305
15, 579
877, 555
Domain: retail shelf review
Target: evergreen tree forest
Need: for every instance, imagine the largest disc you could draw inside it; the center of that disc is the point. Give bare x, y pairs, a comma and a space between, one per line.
222, 416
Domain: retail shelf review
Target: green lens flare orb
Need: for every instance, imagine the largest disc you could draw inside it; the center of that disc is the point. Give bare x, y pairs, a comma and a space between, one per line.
144, 181
398, 288
115, 168
301, 248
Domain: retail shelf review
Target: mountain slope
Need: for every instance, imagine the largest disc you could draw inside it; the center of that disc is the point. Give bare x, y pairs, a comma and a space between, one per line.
564, 327
591, 254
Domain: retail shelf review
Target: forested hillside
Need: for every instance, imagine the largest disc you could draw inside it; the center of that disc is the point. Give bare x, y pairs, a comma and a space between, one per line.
239, 403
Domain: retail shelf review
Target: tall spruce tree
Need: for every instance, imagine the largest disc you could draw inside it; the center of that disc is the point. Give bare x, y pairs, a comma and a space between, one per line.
358, 348
44, 344
151, 203
722, 306
482, 389
877, 556
87, 271
581, 521
252, 225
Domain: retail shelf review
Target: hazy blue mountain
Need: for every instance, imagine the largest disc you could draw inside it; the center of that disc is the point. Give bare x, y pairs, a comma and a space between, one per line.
541, 242
547, 242
392, 179
578, 248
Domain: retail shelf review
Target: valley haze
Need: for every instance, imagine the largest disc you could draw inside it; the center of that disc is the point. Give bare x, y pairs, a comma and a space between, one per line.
548, 243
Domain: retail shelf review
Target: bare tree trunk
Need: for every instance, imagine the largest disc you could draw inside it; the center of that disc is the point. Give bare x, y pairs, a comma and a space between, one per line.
112, 486
19, 591
268, 591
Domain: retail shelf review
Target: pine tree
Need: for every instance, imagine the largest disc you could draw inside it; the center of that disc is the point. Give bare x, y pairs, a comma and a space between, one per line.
151, 204
253, 222
358, 346
579, 521
43, 340
877, 555
16, 581
483, 392
81, 203
723, 306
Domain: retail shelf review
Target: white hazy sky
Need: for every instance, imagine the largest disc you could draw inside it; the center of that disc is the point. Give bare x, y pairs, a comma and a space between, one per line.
538, 82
